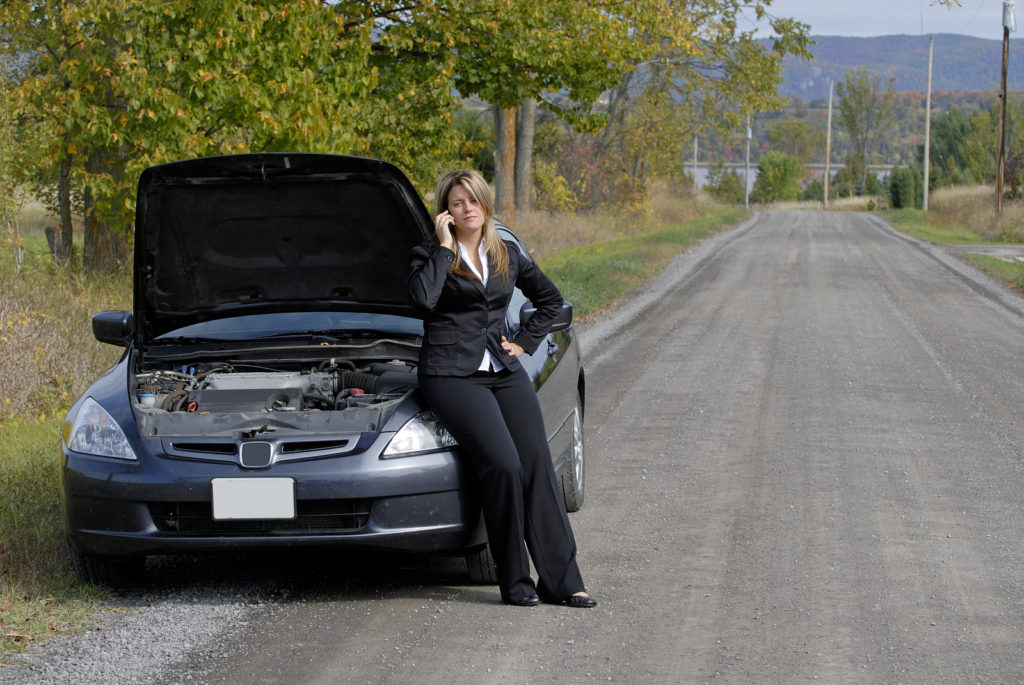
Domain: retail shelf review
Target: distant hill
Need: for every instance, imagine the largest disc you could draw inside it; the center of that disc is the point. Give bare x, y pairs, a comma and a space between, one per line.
961, 63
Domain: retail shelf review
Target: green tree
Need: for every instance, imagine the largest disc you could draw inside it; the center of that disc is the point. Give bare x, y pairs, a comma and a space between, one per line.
905, 188
700, 73
126, 84
865, 113
679, 65
726, 186
798, 138
778, 178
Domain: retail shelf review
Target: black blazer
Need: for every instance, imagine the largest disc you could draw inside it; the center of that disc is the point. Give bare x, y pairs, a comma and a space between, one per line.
461, 317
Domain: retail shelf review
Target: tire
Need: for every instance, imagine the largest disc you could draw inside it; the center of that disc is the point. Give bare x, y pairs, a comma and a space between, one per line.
571, 478
111, 572
481, 566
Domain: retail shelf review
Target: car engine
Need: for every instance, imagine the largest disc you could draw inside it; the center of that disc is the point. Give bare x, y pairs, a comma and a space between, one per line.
333, 385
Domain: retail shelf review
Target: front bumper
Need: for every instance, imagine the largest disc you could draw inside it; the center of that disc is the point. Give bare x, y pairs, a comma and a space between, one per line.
160, 505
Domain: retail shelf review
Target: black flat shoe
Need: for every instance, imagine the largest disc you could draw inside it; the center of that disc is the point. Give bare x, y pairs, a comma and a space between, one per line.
527, 601
579, 602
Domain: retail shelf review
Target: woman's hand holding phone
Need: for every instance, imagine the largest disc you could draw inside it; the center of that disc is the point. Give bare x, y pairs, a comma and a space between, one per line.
444, 229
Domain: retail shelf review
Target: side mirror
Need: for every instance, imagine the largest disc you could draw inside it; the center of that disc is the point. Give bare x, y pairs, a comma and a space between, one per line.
114, 328
561, 322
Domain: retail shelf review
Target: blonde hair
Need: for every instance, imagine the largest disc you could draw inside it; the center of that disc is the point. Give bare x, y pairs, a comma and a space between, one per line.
477, 187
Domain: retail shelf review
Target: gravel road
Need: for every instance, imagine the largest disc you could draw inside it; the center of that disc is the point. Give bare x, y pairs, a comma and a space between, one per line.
805, 459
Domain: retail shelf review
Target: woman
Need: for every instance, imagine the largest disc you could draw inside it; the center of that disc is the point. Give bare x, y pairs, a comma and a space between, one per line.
472, 379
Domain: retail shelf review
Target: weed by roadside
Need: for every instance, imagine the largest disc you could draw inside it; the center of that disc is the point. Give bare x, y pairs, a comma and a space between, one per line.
924, 226
972, 208
1010, 273
47, 351
39, 594
596, 275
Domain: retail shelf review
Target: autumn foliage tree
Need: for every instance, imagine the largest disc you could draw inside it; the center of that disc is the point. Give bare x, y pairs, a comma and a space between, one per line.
123, 85
114, 86
866, 113
697, 71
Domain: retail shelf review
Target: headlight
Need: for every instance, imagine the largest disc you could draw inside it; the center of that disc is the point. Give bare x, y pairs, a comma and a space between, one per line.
96, 432
422, 433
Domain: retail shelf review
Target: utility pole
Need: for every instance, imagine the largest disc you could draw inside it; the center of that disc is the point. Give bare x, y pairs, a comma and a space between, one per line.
746, 169
695, 163
1009, 24
828, 146
928, 124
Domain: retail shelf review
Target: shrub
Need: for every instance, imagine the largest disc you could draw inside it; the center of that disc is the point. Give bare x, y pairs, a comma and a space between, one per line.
725, 186
814, 192
905, 188
778, 178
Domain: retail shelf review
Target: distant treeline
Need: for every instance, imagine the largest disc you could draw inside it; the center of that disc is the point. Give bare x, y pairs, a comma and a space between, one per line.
961, 63
901, 146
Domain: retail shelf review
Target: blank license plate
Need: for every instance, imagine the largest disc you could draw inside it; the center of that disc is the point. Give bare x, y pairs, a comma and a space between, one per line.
253, 498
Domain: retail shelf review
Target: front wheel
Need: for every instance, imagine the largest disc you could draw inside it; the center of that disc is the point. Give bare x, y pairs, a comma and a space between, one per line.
112, 572
572, 475
481, 566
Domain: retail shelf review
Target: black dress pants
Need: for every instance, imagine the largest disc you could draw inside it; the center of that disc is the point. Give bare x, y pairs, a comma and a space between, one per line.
498, 423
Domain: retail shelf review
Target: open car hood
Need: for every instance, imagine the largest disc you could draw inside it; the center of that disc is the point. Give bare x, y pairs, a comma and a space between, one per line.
264, 233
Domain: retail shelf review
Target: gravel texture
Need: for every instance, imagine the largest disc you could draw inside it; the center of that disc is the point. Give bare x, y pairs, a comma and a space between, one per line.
138, 638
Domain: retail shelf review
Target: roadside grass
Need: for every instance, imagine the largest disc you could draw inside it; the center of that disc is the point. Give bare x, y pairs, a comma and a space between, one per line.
923, 226
39, 594
48, 356
597, 275
965, 215
1010, 273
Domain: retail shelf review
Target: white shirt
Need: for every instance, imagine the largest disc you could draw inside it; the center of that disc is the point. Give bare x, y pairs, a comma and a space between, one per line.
489, 361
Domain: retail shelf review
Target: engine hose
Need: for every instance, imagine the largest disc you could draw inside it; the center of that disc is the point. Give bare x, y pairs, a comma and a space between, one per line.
364, 381
309, 399
170, 400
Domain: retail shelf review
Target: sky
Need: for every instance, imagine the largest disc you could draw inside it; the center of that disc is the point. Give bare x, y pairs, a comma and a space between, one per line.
981, 18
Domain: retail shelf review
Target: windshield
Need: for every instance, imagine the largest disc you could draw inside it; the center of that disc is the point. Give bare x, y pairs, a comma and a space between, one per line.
285, 323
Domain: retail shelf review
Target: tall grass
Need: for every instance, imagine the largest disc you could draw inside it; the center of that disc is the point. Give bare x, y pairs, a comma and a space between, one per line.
962, 216
39, 594
973, 208
47, 357
47, 351
596, 275
547, 234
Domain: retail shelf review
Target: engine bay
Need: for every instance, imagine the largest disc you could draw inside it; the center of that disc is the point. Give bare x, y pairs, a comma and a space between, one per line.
245, 398
332, 385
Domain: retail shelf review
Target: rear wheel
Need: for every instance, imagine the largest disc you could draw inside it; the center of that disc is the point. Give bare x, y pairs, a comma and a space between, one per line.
112, 572
481, 566
572, 475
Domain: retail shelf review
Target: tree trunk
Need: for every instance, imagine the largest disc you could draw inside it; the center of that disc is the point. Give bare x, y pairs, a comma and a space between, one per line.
62, 243
504, 163
106, 244
526, 115
864, 170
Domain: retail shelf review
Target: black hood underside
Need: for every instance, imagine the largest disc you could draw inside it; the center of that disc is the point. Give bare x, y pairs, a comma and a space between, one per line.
250, 234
